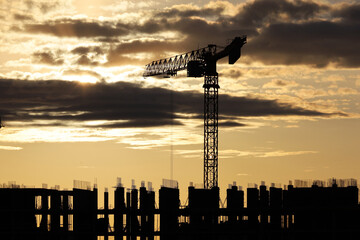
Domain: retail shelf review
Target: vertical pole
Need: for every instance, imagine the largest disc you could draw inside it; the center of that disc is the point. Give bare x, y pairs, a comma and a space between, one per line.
106, 213
211, 88
134, 224
171, 135
119, 213
94, 208
128, 214
151, 206
143, 213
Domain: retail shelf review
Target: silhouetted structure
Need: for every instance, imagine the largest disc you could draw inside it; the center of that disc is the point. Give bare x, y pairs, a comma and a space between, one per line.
48, 213
202, 63
303, 212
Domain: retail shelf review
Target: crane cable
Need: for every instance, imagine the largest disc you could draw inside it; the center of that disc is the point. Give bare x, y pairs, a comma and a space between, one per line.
171, 134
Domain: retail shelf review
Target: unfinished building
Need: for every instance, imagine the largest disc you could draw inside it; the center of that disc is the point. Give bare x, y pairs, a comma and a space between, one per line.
316, 210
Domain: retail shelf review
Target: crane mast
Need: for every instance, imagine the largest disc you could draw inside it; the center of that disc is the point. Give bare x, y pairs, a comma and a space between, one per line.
202, 63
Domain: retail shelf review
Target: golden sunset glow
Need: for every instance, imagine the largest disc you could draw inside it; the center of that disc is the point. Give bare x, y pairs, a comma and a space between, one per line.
82, 79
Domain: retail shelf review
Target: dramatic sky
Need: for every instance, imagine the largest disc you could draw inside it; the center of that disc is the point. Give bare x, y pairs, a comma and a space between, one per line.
75, 105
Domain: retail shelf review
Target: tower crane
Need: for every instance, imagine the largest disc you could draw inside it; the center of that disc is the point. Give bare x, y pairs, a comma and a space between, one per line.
202, 63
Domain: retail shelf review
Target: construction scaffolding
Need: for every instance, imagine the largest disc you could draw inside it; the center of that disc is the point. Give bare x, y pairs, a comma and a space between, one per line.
324, 212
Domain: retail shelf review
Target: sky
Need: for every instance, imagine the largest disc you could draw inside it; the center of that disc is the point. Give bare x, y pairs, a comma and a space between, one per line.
74, 103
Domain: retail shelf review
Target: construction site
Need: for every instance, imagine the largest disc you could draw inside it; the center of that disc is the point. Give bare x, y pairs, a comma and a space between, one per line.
307, 209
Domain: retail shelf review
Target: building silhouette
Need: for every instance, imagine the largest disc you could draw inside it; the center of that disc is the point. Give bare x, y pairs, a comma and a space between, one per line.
305, 210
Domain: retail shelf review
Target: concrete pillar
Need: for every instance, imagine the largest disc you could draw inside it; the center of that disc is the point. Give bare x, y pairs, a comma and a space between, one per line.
119, 201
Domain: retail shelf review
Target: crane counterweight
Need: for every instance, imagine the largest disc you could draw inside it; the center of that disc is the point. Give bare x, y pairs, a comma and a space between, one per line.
199, 63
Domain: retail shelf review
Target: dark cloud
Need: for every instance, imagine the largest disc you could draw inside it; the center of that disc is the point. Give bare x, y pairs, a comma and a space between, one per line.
280, 83
281, 32
150, 26
260, 12
85, 60
87, 55
44, 7
179, 12
316, 43
231, 73
116, 54
118, 59
244, 107
145, 46
77, 28
84, 50
201, 30
349, 13
141, 123
286, 32
48, 57
22, 17
135, 106
231, 124
289, 33
38, 125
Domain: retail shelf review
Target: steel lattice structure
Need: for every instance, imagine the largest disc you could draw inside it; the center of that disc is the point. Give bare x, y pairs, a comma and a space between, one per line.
170, 66
211, 140
202, 62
